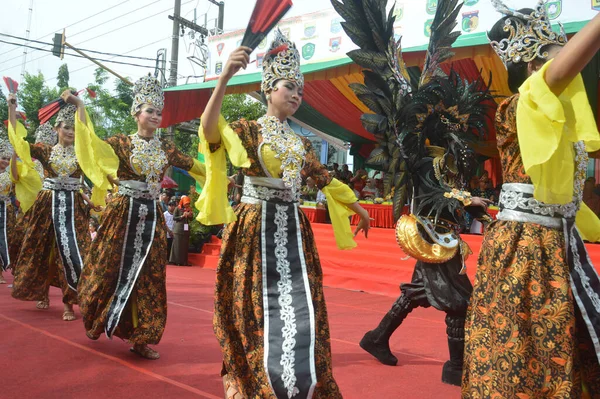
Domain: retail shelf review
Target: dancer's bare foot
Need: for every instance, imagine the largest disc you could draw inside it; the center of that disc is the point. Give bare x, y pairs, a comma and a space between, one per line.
145, 352
68, 313
231, 390
43, 304
2, 280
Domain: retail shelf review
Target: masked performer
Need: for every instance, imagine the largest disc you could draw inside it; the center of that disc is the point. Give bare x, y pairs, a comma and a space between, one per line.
123, 286
424, 132
270, 316
45, 258
534, 321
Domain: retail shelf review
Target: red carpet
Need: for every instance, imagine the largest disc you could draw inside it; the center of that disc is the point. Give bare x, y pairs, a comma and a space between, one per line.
376, 266
42, 356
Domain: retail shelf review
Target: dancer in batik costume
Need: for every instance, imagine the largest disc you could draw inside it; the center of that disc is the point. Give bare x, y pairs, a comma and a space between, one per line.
270, 315
122, 291
56, 238
534, 321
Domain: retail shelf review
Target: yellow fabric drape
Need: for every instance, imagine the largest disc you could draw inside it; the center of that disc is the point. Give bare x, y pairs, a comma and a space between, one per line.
588, 224
29, 182
547, 127
96, 158
339, 196
198, 172
213, 206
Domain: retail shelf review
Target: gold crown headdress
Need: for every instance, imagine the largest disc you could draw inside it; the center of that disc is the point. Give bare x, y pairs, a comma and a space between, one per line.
66, 115
6, 149
528, 34
281, 62
46, 134
147, 90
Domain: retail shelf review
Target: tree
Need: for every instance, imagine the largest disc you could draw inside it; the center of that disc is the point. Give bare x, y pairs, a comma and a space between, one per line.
33, 94
238, 106
3, 107
62, 81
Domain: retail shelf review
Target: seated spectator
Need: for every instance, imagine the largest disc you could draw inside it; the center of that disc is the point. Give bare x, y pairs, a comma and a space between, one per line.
309, 191
345, 174
590, 197
370, 192
360, 180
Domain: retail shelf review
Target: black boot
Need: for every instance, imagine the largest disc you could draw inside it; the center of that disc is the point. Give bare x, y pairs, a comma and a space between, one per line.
376, 341
452, 371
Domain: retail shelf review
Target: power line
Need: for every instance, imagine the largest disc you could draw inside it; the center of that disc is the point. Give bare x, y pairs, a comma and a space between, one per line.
81, 49
77, 55
75, 23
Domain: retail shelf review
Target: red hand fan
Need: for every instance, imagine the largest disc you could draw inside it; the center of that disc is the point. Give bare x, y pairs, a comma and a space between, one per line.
11, 85
266, 14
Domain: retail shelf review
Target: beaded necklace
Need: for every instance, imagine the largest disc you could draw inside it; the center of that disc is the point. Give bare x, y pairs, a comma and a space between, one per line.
5, 182
149, 160
63, 160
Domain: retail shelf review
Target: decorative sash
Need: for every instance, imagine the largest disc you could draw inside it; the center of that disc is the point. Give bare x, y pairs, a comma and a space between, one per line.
63, 218
289, 317
4, 254
141, 223
517, 204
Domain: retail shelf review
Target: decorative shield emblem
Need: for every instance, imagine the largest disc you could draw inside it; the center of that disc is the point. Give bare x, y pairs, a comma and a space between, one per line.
398, 12
427, 28
470, 3
336, 25
596, 5
431, 6
310, 30
470, 21
263, 43
308, 50
334, 43
259, 59
554, 8
220, 48
218, 67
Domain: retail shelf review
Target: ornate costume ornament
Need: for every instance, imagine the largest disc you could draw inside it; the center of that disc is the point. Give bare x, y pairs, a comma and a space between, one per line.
529, 34
149, 160
66, 115
281, 62
63, 160
6, 149
147, 90
288, 148
46, 134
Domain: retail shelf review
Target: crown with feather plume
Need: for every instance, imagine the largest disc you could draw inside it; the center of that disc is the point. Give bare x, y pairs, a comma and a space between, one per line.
66, 115
529, 34
282, 61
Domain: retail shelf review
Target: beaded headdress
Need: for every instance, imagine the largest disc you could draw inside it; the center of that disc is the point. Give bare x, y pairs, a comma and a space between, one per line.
529, 34
66, 115
281, 62
46, 134
147, 90
6, 149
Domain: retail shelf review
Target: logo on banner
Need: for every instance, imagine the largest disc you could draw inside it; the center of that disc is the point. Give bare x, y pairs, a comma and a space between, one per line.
431, 6
427, 28
263, 43
220, 48
335, 43
554, 8
218, 68
259, 59
336, 25
308, 50
398, 12
310, 30
470, 21
596, 5
470, 3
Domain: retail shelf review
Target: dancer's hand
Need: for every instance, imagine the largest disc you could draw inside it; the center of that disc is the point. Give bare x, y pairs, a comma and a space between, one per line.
12, 102
481, 202
364, 224
70, 98
240, 58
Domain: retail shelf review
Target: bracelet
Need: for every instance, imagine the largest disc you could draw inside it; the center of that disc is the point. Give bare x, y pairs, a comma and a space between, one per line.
462, 196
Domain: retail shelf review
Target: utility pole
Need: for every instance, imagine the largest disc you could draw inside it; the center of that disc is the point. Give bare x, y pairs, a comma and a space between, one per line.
221, 6
174, 57
27, 37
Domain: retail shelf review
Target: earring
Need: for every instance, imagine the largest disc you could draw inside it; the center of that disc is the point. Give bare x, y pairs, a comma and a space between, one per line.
268, 96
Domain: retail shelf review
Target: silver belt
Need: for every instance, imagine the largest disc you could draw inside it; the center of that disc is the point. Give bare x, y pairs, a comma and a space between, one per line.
135, 189
518, 205
257, 189
62, 184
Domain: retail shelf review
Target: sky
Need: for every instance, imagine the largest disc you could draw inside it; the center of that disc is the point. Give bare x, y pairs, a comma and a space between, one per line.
132, 27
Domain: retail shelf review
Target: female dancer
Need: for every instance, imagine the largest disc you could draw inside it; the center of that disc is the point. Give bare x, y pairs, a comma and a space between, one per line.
8, 172
122, 290
534, 319
270, 316
52, 259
